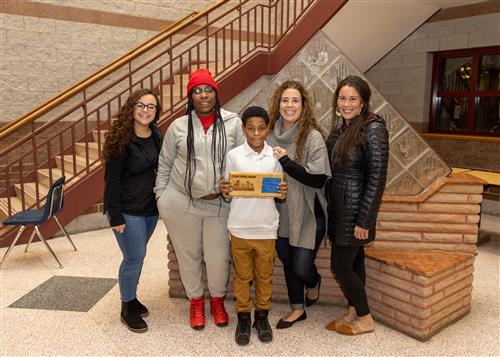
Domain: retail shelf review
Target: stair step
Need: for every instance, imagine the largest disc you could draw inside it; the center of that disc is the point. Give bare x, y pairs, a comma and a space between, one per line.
16, 206
184, 78
93, 150
30, 192
80, 163
219, 65
44, 175
176, 90
103, 135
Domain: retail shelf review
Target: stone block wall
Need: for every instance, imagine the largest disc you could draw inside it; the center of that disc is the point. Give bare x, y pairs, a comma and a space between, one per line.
49, 45
42, 57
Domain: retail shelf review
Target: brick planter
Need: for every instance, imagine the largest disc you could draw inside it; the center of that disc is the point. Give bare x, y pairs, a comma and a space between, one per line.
418, 293
419, 270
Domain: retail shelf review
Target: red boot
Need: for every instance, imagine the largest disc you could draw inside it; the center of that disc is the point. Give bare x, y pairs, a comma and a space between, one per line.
218, 311
197, 313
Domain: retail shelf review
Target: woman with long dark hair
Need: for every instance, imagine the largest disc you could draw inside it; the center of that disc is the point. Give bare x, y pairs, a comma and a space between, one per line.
130, 156
359, 150
190, 167
299, 145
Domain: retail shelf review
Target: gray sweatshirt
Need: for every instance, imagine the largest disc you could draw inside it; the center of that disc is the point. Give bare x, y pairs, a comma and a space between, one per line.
173, 155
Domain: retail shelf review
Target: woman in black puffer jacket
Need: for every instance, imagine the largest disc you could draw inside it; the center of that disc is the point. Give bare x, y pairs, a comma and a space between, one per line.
358, 150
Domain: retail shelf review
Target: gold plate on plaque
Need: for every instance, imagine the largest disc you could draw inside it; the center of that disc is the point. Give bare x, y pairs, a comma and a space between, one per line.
255, 184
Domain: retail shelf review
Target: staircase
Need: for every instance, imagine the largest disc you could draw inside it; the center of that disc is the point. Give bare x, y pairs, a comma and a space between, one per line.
238, 41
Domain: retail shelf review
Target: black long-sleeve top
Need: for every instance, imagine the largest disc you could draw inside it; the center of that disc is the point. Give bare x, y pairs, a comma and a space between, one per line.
130, 179
299, 173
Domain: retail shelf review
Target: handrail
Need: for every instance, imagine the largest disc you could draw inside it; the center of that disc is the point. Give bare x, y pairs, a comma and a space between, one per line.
72, 125
103, 72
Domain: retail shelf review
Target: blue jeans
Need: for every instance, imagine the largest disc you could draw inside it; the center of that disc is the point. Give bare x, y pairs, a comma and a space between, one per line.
133, 242
298, 265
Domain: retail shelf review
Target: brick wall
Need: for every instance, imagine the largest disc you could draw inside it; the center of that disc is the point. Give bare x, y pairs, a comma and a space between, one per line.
445, 217
330, 290
470, 154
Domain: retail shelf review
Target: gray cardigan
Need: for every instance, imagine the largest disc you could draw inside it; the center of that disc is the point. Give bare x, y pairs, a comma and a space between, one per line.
297, 221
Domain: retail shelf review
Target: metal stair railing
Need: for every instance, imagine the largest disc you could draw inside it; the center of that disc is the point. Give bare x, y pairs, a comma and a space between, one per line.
221, 38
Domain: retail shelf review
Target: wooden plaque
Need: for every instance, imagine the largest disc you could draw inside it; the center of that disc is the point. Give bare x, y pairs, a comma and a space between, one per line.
255, 184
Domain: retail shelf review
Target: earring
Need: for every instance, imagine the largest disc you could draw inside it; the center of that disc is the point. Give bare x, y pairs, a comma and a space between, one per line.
360, 110
337, 112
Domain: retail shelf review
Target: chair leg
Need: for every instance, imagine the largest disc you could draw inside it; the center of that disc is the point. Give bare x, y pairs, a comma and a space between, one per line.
29, 241
19, 232
48, 246
65, 232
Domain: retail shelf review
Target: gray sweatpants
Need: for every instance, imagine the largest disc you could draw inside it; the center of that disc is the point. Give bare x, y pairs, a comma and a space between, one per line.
198, 233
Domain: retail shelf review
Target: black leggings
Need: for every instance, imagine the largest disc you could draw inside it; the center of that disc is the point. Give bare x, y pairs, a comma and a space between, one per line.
298, 265
348, 265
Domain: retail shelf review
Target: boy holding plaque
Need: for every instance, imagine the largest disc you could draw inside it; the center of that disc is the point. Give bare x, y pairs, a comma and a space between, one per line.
256, 179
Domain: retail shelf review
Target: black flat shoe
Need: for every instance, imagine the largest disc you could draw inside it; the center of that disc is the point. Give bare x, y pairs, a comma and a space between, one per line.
282, 324
310, 302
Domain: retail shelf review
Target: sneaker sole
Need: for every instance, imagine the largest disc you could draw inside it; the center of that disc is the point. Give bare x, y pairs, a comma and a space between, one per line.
224, 324
141, 330
198, 328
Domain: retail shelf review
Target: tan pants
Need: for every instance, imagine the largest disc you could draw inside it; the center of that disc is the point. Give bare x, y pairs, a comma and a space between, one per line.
253, 259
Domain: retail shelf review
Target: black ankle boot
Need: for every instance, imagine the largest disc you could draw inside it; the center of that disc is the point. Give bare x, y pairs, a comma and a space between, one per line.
261, 324
143, 310
130, 317
243, 329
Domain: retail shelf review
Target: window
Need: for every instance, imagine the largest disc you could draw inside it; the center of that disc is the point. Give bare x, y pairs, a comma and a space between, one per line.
466, 92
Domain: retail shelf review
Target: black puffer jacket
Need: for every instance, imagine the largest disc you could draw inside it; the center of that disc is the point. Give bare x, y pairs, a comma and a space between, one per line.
355, 190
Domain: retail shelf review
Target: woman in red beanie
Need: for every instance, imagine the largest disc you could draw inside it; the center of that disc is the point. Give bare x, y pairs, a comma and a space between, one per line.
190, 166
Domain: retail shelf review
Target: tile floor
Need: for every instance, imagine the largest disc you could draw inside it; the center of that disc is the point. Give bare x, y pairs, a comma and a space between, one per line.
99, 332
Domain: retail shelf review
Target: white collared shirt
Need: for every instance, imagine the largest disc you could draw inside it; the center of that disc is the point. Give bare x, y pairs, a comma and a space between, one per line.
252, 217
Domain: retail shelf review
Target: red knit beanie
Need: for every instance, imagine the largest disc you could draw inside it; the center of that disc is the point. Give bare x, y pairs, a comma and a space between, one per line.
201, 76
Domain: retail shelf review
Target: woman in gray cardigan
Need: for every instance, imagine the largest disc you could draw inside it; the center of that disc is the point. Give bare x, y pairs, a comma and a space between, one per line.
299, 145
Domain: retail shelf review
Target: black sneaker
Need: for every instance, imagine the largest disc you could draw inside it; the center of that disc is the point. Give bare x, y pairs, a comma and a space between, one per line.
261, 324
243, 329
131, 318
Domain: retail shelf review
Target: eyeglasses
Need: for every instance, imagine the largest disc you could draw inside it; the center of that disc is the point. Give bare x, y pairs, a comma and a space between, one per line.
199, 90
149, 107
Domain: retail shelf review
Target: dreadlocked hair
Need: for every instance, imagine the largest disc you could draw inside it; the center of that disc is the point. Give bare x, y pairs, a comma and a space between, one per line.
219, 145
354, 132
122, 128
307, 120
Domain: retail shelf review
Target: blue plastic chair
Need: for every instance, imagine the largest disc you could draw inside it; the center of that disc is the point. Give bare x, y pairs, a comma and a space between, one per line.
36, 217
